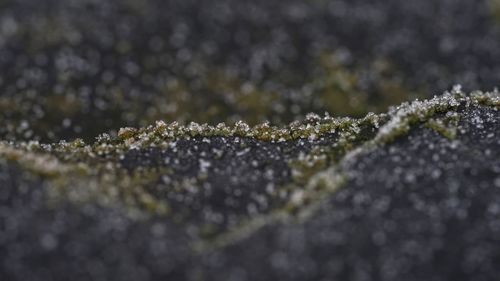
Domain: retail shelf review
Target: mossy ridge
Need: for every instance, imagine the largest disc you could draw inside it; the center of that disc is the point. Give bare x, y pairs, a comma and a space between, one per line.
107, 184
401, 117
328, 179
351, 131
445, 125
400, 121
394, 124
440, 113
334, 89
409, 114
70, 161
348, 138
161, 133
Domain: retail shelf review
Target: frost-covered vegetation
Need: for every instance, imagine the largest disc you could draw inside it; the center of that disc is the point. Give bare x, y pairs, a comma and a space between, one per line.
249, 140
218, 185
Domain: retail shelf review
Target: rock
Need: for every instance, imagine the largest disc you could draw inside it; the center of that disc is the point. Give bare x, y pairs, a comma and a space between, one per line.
388, 196
76, 69
249, 140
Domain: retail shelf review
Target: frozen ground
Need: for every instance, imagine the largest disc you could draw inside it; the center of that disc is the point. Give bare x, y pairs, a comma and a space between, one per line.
408, 195
232, 140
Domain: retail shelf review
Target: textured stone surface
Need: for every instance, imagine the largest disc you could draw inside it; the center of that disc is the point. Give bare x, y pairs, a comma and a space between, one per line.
410, 202
151, 140
79, 68
423, 208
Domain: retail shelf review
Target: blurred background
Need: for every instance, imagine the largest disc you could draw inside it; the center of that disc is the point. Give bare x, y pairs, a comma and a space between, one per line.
78, 68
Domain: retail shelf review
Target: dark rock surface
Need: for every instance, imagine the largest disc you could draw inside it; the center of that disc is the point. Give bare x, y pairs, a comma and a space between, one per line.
74, 69
39, 242
180, 140
421, 206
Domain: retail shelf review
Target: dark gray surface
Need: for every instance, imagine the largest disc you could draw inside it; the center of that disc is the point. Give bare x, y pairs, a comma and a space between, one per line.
108, 64
422, 208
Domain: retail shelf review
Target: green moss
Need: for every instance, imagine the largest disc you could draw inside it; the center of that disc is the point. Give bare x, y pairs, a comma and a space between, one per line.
488, 99
79, 172
447, 125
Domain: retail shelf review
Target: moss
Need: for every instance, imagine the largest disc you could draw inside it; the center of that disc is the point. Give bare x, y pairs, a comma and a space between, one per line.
417, 112
79, 172
438, 113
487, 99
307, 165
447, 125
127, 133
219, 96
